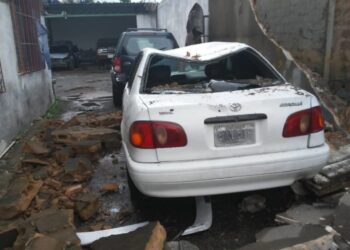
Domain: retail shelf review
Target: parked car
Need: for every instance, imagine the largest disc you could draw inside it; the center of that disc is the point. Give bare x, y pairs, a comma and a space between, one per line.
64, 54
129, 46
217, 118
105, 51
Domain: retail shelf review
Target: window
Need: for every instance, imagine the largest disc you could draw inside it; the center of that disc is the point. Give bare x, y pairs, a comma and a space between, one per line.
2, 82
238, 71
26, 17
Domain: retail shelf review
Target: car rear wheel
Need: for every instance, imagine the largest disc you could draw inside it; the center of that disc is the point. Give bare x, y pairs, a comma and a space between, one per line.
117, 95
137, 198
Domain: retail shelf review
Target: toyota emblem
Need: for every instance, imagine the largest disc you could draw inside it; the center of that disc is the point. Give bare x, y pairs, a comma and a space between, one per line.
235, 107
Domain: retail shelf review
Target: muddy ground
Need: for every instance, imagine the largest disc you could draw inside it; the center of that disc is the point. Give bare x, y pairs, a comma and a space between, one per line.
86, 91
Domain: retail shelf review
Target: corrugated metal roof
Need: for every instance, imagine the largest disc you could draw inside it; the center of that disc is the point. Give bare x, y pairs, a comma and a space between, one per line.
99, 8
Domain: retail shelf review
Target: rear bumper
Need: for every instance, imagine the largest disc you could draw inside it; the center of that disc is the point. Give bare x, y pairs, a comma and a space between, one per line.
229, 175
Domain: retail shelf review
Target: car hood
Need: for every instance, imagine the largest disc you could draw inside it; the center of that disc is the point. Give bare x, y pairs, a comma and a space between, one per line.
59, 55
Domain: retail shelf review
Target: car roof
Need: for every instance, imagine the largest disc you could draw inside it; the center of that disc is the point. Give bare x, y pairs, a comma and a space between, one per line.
203, 51
146, 32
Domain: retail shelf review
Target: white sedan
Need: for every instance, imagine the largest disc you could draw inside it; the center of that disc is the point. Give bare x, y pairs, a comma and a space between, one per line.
217, 118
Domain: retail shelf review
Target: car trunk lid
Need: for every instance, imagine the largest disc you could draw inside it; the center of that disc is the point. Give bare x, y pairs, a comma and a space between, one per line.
230, 124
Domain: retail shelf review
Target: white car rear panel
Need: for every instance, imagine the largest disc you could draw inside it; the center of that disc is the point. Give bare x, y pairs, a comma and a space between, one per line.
191, 110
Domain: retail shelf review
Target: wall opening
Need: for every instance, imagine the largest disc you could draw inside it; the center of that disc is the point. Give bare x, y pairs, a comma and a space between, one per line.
195, 25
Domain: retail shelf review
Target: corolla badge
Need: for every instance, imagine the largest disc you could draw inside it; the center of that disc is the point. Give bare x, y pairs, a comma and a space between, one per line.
235, 107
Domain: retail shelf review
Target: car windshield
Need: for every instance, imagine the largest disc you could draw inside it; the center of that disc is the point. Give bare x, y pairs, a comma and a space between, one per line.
59, 49
239, 71
134, 44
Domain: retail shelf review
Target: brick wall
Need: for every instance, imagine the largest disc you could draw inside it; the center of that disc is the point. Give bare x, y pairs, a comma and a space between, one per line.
340, 60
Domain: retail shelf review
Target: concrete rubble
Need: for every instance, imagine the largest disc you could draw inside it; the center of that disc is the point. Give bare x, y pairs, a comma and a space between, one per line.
50, 186
324, 225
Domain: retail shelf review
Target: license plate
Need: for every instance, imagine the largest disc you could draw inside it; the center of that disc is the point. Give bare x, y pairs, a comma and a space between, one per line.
234, 134
110, 55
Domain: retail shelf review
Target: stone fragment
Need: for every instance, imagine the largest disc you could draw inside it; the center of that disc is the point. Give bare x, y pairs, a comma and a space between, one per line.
77, 170
253, 203
299, 189
306, 232
151, 235
180, 245
35, 147
341, 217
74, 134
87, 147
58, 219
18, 197
306, 214
42, 242
110, 187
86, 205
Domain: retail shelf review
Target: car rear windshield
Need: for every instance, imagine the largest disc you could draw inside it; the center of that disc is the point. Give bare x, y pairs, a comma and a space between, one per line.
238, 71
59, 49
132, 45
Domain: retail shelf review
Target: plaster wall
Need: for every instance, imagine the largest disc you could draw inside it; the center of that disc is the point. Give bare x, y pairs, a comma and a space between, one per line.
235, 21
340, 60
146, 20
173, 15
27, 96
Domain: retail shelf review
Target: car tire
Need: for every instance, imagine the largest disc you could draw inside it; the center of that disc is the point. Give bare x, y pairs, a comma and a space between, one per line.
117, 95
137, 198
70, 65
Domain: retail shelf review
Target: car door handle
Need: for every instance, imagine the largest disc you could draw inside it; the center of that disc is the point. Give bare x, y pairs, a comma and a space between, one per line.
235, 118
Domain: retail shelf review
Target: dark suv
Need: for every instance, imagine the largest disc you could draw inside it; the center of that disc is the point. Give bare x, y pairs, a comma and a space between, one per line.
129, 46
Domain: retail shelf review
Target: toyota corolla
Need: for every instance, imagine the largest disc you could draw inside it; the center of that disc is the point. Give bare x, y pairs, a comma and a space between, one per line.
217, 118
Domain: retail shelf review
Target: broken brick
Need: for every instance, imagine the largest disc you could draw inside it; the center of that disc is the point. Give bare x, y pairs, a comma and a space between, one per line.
96, 120
82, 147
74, 134
63, 155
35, 147
86, 205
149, 237
77, 170
53, 183
110, 187
19, 196
42, 242
73, 190
35, 162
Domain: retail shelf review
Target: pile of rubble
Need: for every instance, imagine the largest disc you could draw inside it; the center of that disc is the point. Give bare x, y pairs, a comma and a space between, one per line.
50, 185
322, 225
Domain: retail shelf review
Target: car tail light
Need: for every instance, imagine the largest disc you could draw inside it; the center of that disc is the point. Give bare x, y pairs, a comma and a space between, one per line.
117, 64
304, 122
149, 134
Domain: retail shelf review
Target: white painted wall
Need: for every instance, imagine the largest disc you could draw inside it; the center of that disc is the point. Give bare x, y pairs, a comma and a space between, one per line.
173, 15
146, 20
27, 96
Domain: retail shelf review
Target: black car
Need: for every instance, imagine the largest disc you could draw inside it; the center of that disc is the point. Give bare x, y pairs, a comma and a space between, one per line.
64, 54
129, 46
